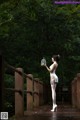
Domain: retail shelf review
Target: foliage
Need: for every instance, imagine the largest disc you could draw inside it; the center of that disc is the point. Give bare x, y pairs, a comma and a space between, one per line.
9, 95
31, 29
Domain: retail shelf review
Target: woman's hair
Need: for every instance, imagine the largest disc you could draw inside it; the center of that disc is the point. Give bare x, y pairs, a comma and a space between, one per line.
56, 57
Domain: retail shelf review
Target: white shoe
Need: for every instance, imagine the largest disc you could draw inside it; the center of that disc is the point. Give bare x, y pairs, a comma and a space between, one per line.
54, 108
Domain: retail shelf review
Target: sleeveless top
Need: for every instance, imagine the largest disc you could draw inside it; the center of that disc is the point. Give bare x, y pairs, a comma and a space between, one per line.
53, 76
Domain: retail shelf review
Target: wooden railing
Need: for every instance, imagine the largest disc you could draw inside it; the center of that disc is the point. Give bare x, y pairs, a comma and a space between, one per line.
34, 89
76, 91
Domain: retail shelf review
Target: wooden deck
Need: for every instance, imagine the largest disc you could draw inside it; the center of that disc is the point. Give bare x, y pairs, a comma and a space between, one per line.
64, 112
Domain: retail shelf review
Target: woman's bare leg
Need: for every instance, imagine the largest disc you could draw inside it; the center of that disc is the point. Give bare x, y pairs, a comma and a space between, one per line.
53, 88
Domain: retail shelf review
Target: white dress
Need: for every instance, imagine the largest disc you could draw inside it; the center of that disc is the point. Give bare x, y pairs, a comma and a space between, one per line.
53, 76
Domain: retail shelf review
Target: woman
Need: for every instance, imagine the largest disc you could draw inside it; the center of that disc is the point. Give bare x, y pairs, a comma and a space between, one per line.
53, 78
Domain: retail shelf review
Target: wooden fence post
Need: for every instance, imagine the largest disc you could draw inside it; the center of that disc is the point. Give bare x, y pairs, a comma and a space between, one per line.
78, 91
19, 96
74, 92
1, 83
36, 92
40, 93
29, 92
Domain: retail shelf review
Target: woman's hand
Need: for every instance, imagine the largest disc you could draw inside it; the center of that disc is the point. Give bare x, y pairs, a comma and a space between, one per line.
45, 65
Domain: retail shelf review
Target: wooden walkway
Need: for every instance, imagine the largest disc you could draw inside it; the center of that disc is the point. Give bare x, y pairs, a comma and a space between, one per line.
64, 112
